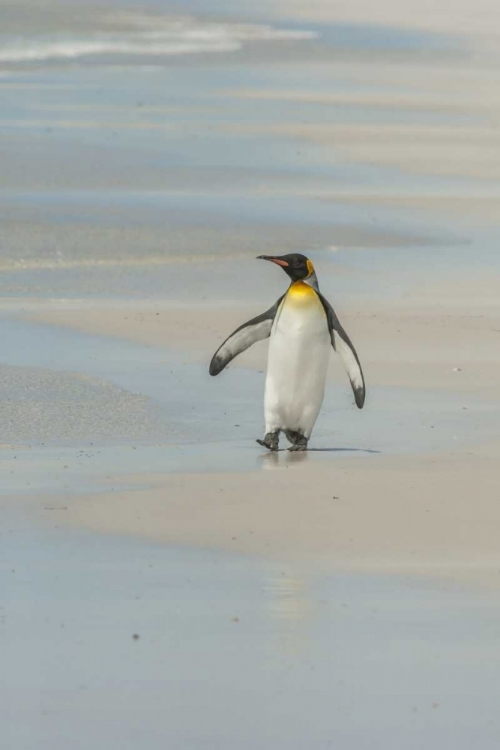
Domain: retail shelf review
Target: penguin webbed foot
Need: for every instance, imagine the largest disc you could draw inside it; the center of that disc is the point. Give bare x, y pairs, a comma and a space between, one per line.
299, 442
270, 441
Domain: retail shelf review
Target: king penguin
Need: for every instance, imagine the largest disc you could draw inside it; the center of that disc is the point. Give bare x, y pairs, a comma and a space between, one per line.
302, 326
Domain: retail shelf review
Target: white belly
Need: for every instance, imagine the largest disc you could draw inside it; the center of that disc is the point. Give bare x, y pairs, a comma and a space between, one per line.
299, 352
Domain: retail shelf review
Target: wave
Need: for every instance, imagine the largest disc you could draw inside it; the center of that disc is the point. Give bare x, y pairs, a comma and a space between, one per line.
168, 37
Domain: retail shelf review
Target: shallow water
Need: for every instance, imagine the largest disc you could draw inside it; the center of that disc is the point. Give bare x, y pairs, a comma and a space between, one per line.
141, 169
96, 146
183, 420
231, 652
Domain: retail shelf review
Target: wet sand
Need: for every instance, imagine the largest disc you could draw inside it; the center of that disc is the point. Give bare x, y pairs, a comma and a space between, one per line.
469, 18
165, 581
439, 337
142, 638
433, 515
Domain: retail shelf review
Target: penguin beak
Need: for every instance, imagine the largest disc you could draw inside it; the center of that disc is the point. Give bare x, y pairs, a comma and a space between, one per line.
278, 261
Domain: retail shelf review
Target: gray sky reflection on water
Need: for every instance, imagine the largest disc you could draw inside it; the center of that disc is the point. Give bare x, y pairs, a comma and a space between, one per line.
232, 652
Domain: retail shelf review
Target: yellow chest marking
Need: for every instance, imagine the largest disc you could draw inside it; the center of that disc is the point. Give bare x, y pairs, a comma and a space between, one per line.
302, 294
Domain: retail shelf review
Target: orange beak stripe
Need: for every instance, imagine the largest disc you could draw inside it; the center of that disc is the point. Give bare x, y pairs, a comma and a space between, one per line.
278, 261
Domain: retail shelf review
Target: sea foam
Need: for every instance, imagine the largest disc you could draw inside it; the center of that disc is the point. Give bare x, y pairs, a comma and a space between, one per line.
145, 36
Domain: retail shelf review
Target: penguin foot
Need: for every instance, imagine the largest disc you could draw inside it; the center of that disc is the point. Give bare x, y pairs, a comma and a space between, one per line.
271, 440
299, 441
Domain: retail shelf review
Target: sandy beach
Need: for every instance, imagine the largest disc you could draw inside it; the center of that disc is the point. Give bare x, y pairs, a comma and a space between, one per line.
432, 515
427, 514
165, 580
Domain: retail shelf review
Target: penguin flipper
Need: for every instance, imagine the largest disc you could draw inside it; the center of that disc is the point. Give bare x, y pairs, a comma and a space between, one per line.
343, 345
257, 329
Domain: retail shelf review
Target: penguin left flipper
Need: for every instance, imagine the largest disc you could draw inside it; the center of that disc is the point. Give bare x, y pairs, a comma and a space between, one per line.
342, 344
257, 329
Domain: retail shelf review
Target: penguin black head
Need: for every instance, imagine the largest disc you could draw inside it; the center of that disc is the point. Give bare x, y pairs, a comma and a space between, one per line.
297, 266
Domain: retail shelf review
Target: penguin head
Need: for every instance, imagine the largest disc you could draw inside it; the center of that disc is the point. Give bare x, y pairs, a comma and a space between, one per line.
295, 265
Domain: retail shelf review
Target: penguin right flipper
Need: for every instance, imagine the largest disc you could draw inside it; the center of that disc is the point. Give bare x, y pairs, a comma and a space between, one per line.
343, 345
257, 329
